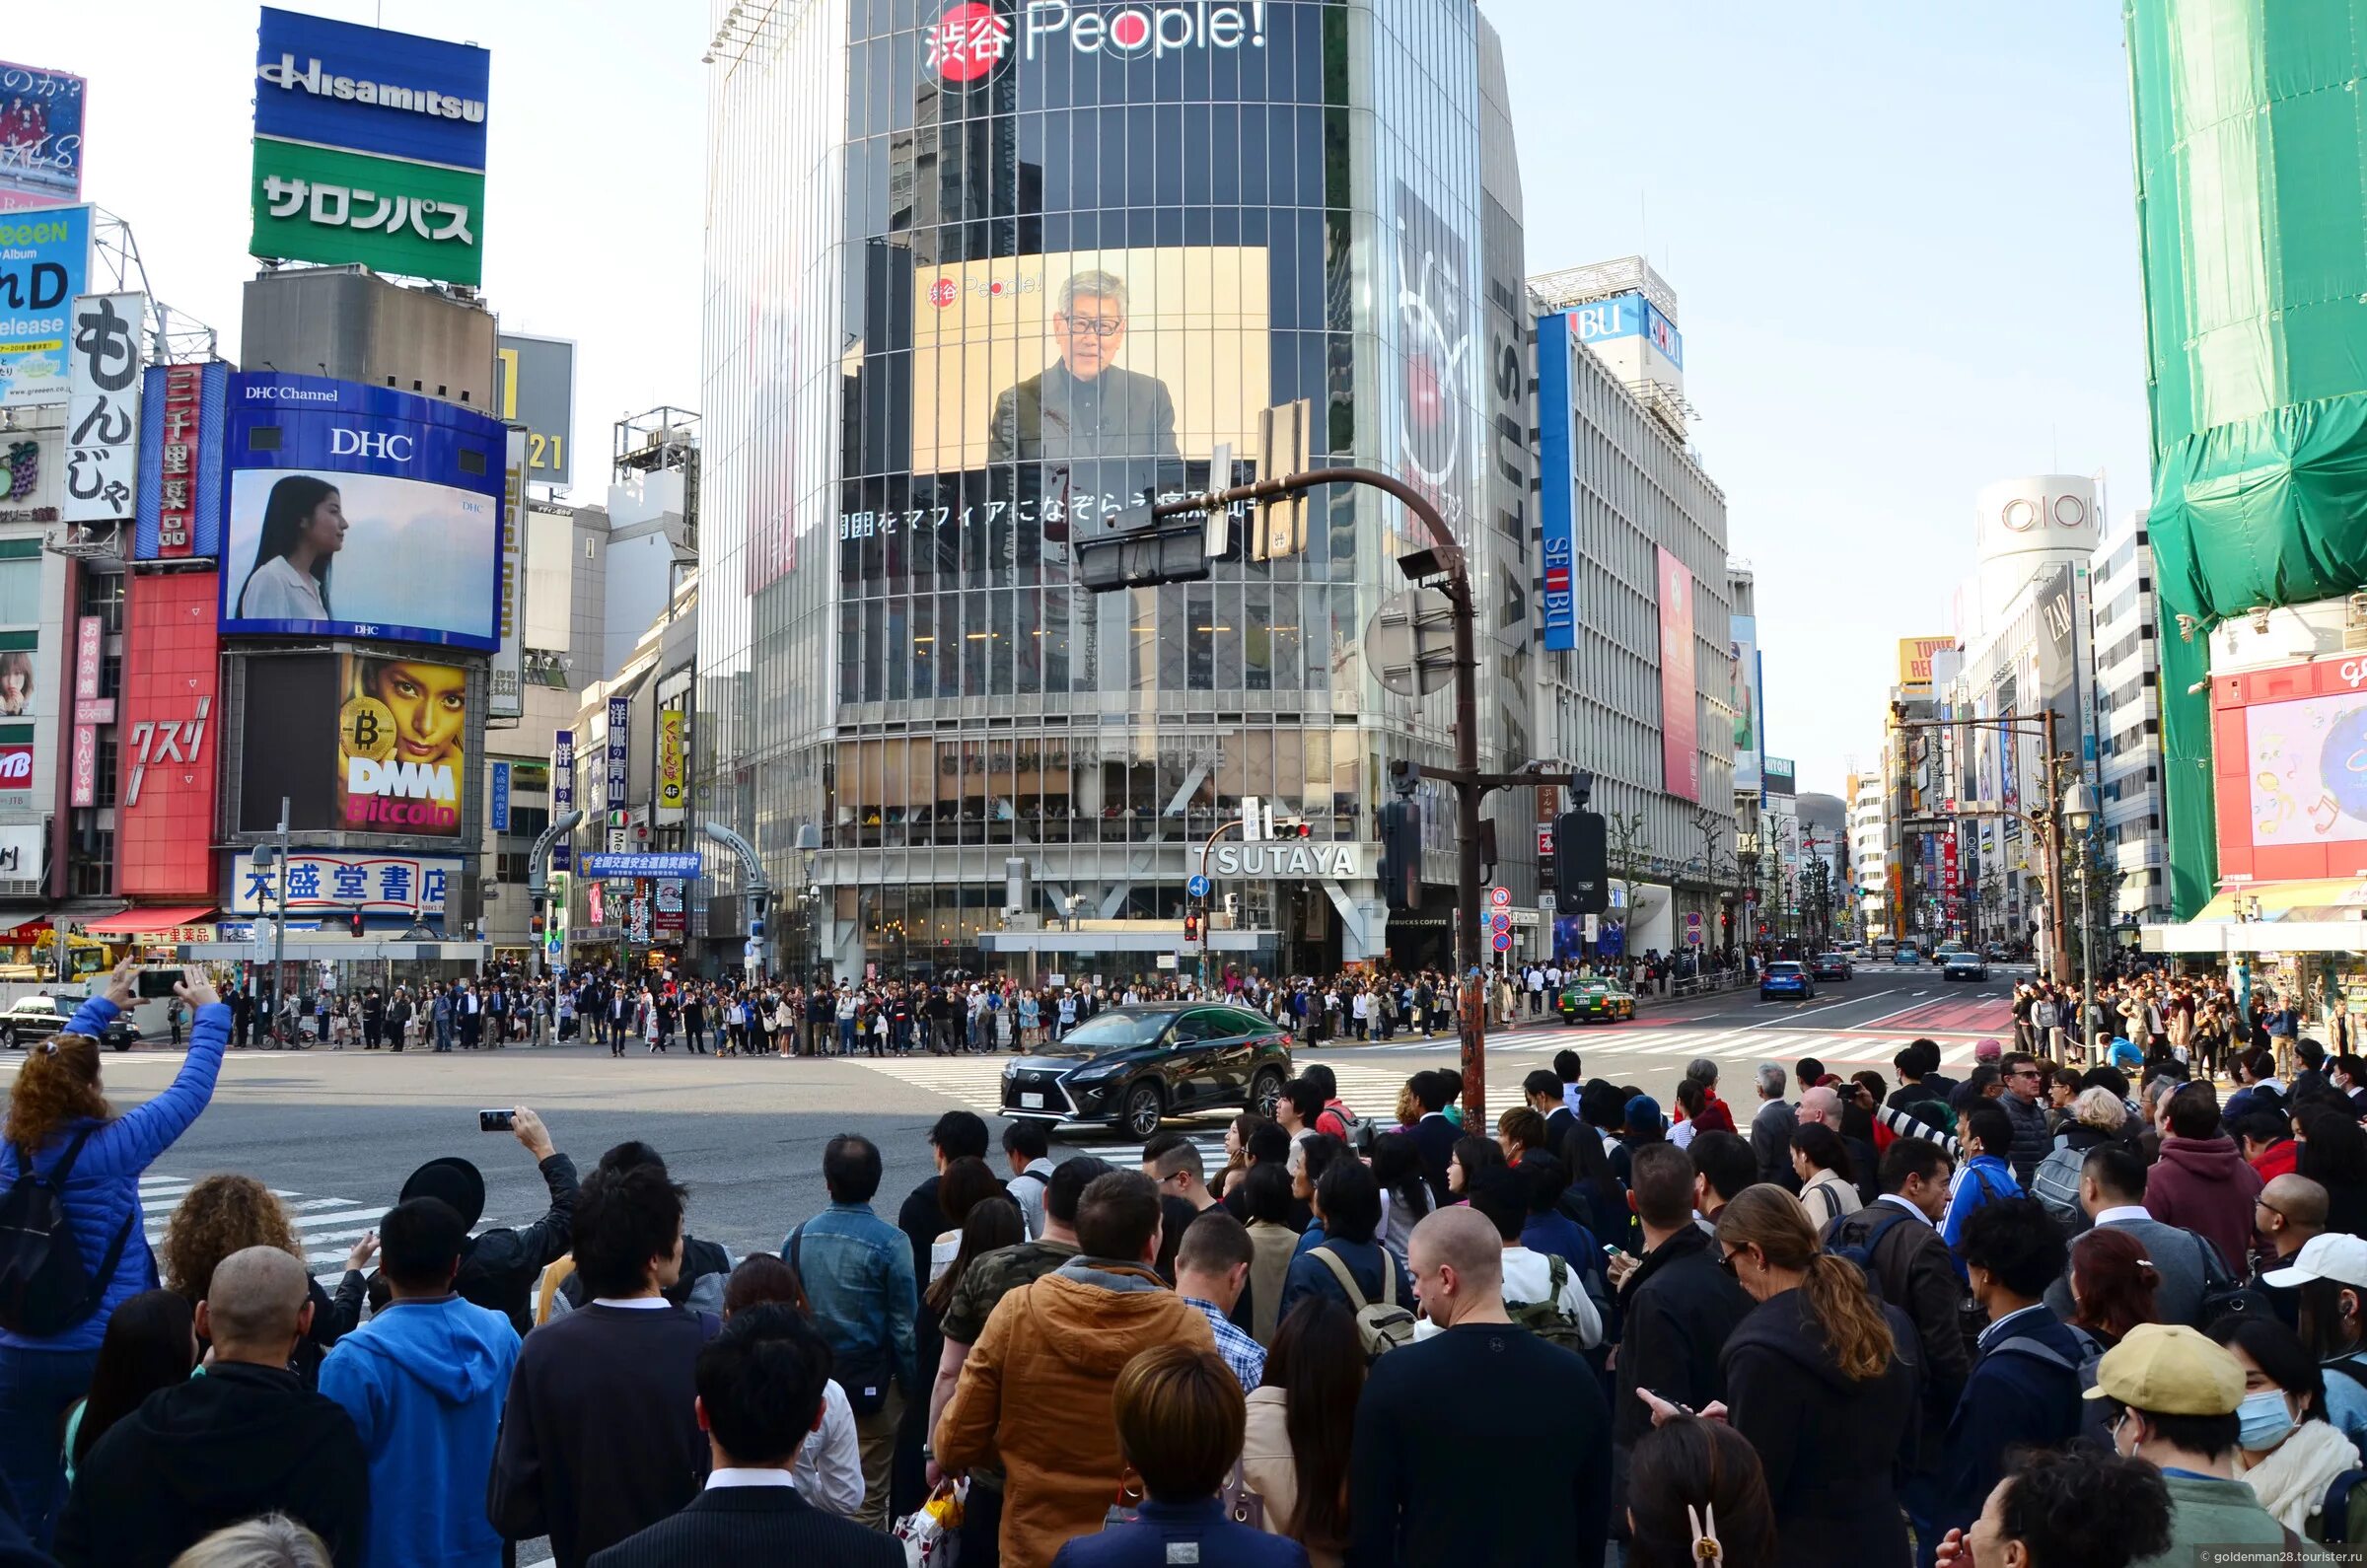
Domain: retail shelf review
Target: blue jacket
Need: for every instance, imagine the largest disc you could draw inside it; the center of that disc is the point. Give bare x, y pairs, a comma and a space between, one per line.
102, 1195
424, 1383
1158, 1526
1309, 1275
1987, 1177
2023, 1392
857, 1270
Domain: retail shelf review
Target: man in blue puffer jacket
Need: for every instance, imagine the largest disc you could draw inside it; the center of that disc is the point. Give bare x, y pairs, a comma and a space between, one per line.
57, 1097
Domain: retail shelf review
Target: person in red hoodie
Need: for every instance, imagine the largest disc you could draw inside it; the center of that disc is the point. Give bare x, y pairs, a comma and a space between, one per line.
2201, 1184
2268, 1140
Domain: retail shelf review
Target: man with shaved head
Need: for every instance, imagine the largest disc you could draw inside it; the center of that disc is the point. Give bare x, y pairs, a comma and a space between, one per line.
246, 1438
1480, 1411
2289, 1213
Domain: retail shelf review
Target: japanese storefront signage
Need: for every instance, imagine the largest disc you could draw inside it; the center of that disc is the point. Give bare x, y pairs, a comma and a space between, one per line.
180, 467
501, 797
104, 353
165, 810
669, 926
30, 462
674, 784
637, 921
505, 695
372, 883
563, 790
621, 732
90, 646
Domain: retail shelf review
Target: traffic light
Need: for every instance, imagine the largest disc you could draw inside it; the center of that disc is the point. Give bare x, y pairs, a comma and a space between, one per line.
1580, 863
1192, 926
1402, 854
355, 920
536, 925
1292, 827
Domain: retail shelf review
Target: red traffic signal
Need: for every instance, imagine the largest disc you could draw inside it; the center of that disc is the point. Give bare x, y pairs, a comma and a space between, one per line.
356, 923
1191, 928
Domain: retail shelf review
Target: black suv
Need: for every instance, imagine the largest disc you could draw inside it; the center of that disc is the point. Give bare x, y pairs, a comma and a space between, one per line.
1130, 1066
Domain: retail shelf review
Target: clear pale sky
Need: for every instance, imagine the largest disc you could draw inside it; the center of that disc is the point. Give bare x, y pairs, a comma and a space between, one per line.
1902, 240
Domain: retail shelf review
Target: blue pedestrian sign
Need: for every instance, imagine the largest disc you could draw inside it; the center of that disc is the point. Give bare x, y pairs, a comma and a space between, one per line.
1196, 888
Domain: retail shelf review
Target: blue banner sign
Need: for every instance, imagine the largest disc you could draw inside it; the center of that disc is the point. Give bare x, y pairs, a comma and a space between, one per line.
683, 863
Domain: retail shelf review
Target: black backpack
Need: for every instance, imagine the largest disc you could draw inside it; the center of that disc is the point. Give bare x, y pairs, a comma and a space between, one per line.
1861, 1251
44, 1287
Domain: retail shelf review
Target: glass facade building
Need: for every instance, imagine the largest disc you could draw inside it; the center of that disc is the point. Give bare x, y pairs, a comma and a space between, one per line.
980, 275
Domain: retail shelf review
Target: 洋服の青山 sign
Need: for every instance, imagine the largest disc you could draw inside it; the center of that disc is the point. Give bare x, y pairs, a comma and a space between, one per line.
970, 37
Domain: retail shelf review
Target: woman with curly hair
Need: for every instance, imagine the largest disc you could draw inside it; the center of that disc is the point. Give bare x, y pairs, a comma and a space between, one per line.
61, 1126
228, 1213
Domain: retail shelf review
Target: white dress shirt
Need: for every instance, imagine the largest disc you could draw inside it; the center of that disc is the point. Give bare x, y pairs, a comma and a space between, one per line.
744, 1476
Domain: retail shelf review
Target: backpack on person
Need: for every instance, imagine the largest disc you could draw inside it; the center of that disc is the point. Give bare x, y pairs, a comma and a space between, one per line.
46, 1288
2342, 1517
1545, 1318
1357, 1132
2056, 1184
2226, 1293
1861, 1251
1381, 1326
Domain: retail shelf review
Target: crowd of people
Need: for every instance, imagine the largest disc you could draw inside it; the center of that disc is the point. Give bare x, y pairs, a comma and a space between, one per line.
2047, 1315
2207, 1022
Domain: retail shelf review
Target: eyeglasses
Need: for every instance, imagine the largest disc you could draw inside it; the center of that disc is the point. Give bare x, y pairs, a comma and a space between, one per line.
1096, 326
1726, 1262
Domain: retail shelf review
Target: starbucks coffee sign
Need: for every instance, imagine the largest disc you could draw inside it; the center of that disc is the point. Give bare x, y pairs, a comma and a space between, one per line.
1302, 860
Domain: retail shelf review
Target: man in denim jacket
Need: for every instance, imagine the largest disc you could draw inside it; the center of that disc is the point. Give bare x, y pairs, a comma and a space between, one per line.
857, 1270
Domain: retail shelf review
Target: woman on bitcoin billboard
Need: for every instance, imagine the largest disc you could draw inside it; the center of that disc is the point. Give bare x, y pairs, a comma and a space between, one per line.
401, 746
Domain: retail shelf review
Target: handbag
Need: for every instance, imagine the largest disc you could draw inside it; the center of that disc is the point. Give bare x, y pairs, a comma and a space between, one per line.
931, 1535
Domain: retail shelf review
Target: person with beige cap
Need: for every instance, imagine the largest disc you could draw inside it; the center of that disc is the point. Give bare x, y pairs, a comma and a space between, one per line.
2170, 1399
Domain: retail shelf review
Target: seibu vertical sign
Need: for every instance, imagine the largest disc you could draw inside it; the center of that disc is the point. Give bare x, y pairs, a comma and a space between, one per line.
90, 648
165, 810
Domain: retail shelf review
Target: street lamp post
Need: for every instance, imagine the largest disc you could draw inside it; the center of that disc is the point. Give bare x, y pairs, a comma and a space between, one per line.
2079, 815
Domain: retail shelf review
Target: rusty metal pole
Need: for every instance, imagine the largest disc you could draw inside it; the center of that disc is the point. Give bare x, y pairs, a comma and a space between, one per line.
1470, 1021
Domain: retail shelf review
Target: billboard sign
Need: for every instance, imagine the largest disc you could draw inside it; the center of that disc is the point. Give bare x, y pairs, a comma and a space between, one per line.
338, 83
621, 732
180, 462
361, 512
403, 746
2289, 751
106, 348
1557, 505
562, 791
1679, 741
500, 808
45, 263
537, 391
369, 147
40, 137
410, 884
1749, 744
165, 808
676, 863
505, 697
1915, 657
674, 774
30, 462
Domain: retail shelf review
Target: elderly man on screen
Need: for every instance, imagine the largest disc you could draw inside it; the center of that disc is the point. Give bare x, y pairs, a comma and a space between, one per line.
1083, 406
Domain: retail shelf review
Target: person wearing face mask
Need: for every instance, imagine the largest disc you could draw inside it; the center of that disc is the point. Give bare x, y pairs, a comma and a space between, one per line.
2329, 1273
2286, 1452
2172, 1399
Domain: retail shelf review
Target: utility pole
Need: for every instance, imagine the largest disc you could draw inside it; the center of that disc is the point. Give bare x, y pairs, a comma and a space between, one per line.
1442, 559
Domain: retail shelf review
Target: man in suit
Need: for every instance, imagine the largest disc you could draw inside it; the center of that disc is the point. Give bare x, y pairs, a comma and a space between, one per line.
760, 1397
1434, 1132
2112, 1188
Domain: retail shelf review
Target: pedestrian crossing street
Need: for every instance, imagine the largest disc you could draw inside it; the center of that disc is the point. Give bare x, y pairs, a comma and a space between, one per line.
1370, 1076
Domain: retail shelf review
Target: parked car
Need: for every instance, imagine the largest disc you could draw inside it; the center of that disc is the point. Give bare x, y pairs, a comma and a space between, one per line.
35, 1018
1964, 965
1130, 1067
1596, 1001
1785, 979
1831, 966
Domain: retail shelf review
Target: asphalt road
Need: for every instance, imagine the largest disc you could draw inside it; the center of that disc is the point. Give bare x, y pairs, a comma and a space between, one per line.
338, 1131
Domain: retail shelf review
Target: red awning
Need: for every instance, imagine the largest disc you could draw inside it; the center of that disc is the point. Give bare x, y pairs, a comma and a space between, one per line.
139, 922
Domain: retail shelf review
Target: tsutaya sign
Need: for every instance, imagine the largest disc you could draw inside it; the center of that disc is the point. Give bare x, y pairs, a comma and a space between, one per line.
1340, 862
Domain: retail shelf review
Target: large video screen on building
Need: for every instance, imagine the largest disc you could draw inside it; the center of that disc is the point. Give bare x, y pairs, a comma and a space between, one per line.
361, 512
356, 742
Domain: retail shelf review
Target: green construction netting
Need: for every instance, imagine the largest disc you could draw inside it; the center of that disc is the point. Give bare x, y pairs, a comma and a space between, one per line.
2251, 134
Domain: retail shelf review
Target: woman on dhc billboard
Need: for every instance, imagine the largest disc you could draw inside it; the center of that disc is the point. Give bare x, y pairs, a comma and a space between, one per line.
304, 524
